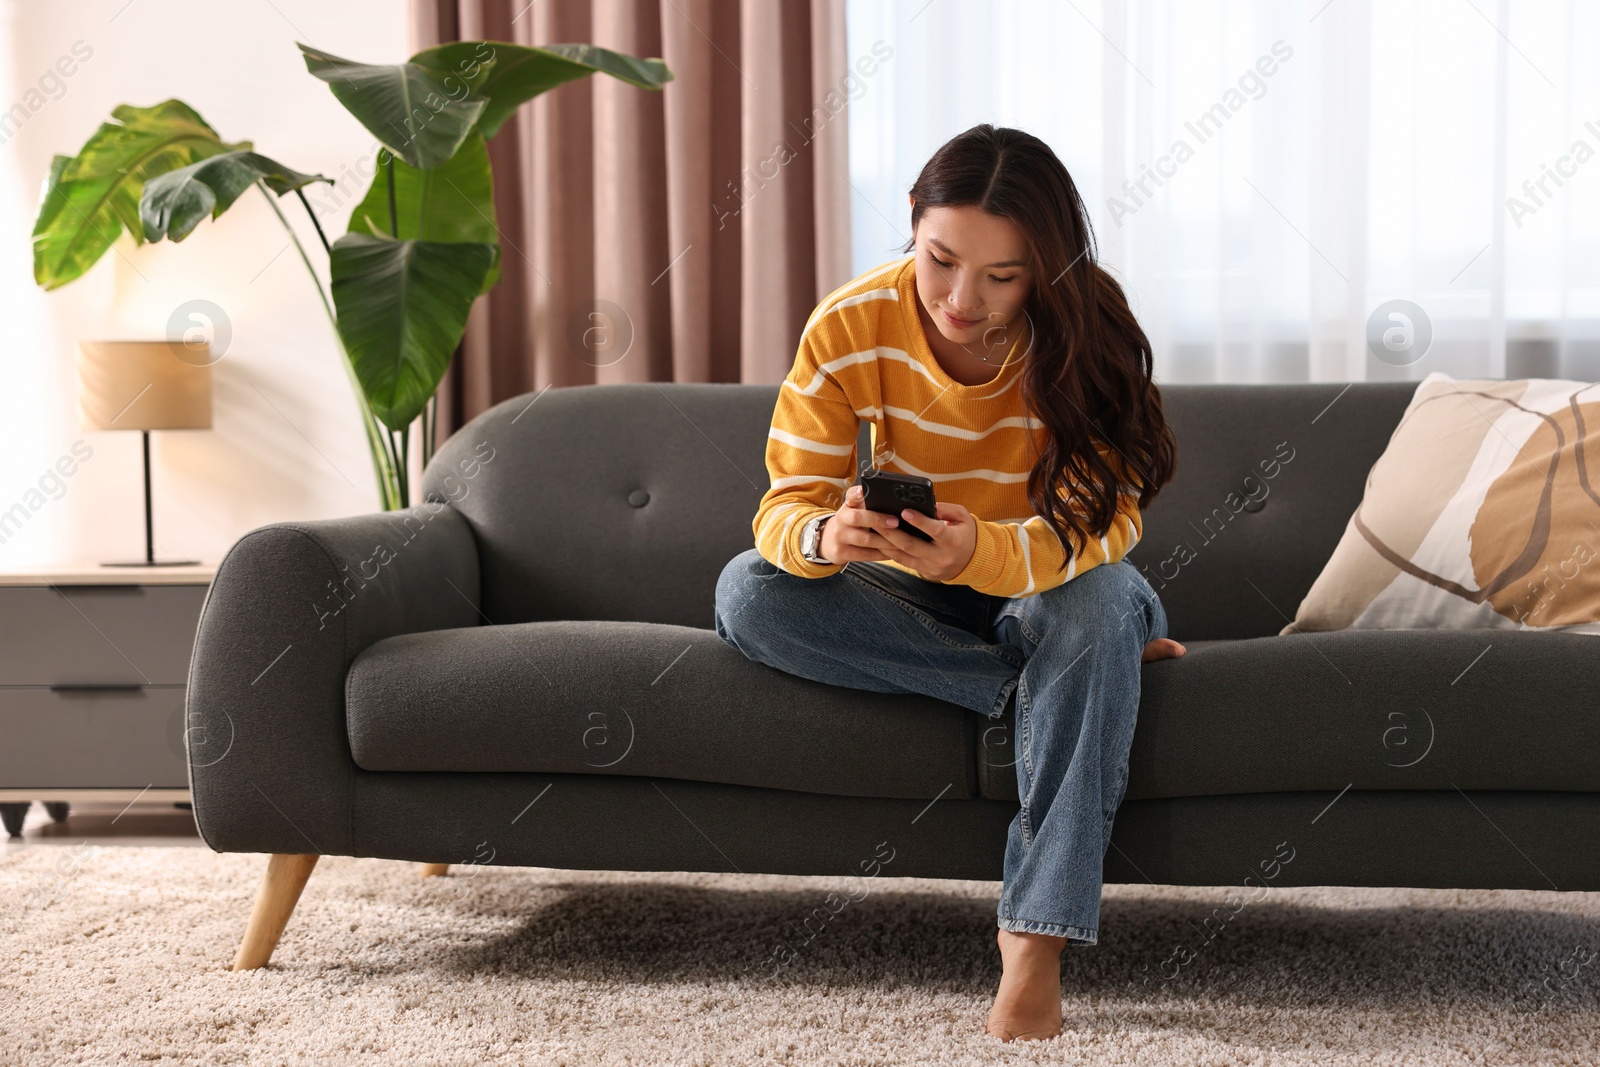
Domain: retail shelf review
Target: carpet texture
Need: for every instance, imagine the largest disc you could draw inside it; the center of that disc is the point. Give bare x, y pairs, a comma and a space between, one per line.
119, 955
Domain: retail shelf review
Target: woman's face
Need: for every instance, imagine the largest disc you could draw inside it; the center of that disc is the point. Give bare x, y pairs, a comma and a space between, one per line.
973, 271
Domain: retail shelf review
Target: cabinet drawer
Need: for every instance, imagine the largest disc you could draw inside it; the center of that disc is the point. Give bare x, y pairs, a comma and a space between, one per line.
74, 634
92, 739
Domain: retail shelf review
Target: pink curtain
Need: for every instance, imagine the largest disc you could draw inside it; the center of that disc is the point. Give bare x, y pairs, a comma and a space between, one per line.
684, 235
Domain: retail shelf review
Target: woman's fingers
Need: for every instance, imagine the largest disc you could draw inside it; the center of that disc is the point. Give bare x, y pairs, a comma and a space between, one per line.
913, 517
859, 533
845, 538
855, 513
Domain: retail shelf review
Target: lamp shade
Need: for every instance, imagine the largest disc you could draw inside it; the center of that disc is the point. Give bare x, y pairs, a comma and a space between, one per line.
142, 385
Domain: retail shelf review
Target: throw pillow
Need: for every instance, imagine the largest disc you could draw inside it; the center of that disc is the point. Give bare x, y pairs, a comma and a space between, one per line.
1482, 513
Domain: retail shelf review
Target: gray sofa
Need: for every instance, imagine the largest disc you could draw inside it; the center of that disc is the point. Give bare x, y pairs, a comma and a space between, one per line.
523, 671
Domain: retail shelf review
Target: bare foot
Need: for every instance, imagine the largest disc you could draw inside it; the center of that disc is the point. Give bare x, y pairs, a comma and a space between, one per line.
1162, 648
1028, 1005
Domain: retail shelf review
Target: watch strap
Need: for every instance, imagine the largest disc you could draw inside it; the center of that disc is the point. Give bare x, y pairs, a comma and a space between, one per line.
815, 525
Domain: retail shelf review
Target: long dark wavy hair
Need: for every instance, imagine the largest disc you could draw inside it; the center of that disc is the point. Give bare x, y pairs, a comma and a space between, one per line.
1087, 373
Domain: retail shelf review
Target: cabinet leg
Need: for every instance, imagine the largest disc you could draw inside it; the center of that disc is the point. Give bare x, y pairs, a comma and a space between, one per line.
13, 816
435, 870
280, 891
58, 810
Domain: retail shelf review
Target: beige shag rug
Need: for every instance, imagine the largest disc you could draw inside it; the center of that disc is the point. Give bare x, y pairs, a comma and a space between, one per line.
114, 954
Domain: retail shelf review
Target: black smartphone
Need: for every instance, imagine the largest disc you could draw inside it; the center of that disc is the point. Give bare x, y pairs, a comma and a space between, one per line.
892, 493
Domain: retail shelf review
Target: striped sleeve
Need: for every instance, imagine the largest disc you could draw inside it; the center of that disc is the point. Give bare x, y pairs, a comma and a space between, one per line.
811, 460
1020, 559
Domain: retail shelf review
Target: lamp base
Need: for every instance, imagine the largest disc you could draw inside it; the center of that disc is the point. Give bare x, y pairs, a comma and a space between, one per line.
150, 563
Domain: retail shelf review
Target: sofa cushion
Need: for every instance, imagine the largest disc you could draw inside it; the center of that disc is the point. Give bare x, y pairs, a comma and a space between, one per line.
1369, 709
643, 699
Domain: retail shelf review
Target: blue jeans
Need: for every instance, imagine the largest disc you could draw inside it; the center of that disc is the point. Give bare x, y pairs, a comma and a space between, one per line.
1067, 660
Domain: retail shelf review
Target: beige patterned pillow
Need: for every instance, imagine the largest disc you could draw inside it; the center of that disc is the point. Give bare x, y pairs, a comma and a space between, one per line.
1482, 513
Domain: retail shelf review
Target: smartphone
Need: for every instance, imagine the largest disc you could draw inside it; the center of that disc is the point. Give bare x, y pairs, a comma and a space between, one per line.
890, 494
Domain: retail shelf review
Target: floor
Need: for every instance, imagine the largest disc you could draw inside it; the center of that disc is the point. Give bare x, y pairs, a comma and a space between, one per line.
116, 950
109, 824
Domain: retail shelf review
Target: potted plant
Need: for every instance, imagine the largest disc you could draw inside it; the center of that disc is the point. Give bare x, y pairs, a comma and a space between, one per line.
420, 247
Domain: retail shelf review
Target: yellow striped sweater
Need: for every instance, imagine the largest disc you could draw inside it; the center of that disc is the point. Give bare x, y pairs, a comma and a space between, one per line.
864, 355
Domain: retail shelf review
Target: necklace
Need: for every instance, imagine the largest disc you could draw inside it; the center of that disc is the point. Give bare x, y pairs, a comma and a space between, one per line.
985, 359
991, 362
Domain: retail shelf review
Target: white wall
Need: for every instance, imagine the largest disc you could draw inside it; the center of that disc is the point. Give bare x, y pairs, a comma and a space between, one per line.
286, 441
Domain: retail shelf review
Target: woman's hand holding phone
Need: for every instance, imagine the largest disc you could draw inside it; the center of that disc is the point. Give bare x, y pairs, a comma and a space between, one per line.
851, 534
857, 533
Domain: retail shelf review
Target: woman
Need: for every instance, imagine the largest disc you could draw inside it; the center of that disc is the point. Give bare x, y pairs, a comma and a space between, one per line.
999, 361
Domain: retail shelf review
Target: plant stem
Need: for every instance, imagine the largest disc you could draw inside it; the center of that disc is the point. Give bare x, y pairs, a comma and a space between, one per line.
405, 461
422, 439
382, 462
313, 216
430, 427
395, 490
298, 247
394, 218
398, 449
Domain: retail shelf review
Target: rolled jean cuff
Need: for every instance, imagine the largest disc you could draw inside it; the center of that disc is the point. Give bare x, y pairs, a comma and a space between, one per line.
1086, 934
1003, 701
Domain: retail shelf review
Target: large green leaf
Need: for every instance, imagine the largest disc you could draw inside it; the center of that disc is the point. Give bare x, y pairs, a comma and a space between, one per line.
451, 202
75, 225
402, 308
87, 200
409, 109
141, 134
512, 74
174, 203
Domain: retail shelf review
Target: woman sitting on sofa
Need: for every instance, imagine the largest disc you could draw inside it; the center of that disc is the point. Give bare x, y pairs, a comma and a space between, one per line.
1000, 362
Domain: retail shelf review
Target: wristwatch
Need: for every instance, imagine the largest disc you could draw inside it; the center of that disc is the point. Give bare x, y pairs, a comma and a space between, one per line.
811, 539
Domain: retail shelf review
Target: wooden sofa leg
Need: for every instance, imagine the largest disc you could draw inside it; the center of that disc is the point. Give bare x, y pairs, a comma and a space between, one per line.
435, 870
280, 891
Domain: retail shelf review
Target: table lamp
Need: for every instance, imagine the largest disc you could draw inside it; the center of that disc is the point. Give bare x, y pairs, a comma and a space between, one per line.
144, 386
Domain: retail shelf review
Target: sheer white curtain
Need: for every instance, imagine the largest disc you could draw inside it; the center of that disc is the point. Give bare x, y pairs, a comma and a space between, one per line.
1266, 177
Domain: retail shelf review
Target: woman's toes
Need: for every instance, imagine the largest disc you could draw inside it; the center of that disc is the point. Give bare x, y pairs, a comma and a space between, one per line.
1162, 648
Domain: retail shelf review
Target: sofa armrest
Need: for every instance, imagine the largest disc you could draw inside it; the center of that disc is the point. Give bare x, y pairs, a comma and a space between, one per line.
292, 604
